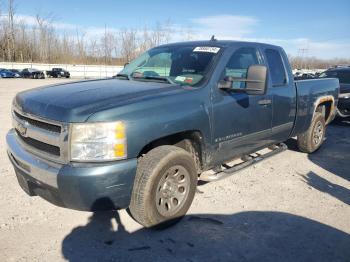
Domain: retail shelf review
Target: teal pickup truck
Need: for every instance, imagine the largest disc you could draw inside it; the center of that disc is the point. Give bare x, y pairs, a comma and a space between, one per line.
177, 114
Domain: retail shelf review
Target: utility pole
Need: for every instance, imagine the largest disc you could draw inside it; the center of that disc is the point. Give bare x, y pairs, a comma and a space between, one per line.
302, 53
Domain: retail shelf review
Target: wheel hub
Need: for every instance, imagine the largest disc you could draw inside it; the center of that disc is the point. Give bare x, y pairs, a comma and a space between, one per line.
172, 190
318, 133
169, 189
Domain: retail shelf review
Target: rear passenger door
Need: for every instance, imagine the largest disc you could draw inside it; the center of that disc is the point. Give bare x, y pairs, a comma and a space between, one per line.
283, 92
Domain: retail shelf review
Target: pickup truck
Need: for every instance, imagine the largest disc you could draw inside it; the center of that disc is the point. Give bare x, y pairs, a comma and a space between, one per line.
177, 114
58, 73
32, 73
343, 74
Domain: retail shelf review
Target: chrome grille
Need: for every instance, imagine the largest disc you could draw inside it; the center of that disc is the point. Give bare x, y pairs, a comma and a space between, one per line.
44, 138
40, 124
54, 150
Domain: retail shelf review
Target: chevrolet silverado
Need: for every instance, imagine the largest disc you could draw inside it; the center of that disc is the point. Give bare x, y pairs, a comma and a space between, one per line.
177, 114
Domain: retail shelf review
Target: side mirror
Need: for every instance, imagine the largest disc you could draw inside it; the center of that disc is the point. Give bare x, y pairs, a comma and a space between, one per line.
255, 81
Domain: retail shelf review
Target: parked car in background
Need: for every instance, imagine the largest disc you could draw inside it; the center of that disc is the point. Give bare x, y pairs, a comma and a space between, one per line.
4, 73
343, 74
18, 73
317, 74
304, 76
58, 73
33, 73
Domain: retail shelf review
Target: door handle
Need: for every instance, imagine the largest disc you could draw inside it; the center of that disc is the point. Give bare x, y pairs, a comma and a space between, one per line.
264, 102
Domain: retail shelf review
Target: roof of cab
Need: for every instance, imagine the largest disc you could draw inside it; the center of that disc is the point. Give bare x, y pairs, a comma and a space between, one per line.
218, 43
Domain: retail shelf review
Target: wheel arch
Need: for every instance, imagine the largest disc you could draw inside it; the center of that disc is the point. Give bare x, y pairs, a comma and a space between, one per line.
326, 106
192, 141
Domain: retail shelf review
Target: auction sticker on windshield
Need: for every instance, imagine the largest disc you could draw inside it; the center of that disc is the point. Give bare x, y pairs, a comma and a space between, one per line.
207, 49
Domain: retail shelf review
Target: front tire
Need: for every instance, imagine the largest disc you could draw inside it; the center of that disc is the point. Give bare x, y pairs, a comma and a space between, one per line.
312, 139
164, 186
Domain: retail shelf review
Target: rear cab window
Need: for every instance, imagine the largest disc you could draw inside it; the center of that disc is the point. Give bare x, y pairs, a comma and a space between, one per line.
276, 67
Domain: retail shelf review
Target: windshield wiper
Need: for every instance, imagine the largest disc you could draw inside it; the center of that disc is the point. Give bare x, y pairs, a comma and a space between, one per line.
163, 79
122, 75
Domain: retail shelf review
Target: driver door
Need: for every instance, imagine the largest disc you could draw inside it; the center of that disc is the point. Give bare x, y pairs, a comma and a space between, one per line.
241, 122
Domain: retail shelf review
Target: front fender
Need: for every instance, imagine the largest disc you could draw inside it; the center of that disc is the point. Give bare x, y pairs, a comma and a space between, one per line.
152, 119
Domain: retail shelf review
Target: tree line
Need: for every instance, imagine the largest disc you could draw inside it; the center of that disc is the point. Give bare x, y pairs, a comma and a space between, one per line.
298, 62
40, 42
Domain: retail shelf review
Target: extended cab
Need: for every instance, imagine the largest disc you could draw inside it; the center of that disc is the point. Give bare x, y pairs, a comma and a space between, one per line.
177, 114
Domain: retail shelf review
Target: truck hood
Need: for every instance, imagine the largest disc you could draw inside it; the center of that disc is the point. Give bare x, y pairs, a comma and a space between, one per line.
75, 102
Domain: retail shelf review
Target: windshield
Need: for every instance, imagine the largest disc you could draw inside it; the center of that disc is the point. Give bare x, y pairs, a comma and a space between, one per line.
175, 64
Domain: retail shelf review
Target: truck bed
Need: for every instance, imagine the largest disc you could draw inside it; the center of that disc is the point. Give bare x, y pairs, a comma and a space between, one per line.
308, 93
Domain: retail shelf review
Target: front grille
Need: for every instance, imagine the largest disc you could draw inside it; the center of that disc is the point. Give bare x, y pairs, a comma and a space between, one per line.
40, 124
44, 138
53, 150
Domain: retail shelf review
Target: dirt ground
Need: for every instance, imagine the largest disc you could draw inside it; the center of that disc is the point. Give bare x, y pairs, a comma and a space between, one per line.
291, 207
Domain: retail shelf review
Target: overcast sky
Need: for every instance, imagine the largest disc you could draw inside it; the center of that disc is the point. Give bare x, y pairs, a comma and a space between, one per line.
321, 27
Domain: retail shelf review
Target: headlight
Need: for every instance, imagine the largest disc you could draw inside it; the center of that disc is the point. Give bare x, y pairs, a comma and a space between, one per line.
98, 141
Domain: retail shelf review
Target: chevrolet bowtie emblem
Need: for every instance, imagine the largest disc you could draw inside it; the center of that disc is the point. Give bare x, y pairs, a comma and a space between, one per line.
22, 129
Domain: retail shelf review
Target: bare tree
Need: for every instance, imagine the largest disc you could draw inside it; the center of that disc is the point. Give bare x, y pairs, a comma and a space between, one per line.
128, 45
160, 34
80, 43
41, 43
109, 45
11, 31
298, 62
94, 50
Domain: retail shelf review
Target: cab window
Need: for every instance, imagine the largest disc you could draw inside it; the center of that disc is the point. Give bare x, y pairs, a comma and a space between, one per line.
239, 63
276, 67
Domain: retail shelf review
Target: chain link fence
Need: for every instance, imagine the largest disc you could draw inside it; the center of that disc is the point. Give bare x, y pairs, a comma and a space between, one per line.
76, 71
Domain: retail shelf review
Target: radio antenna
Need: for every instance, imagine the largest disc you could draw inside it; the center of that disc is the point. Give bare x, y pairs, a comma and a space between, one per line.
213, 38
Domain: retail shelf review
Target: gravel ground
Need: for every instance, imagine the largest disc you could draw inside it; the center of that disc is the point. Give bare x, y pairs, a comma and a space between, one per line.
292, 207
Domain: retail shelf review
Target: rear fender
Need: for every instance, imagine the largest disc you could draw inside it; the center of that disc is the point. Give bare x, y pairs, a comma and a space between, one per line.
326, 99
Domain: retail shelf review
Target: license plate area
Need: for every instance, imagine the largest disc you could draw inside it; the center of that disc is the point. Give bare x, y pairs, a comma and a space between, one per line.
25, 184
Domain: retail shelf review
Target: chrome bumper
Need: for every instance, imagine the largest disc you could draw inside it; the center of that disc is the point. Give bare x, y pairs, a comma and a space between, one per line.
35, 167
78, 186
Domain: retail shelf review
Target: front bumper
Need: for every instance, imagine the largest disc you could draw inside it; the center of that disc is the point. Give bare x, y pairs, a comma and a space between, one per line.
80, 186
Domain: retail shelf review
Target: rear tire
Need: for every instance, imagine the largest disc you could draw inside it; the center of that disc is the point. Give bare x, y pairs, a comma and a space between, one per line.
312, 139
164, 187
